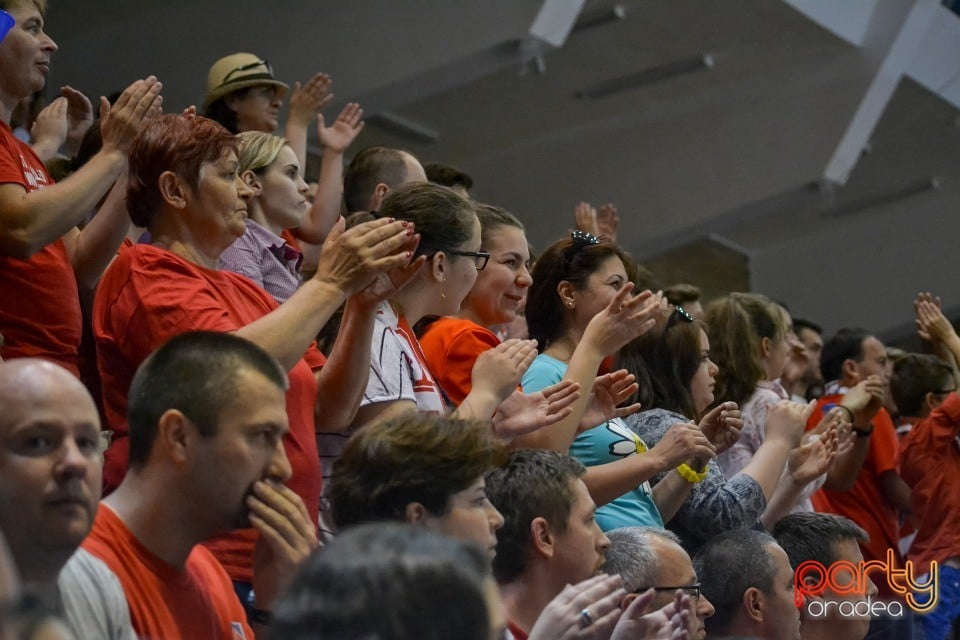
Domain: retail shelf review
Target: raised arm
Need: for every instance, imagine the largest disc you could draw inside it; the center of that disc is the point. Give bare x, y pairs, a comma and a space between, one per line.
625, 318
932, 325
30, 221
305, 103
335, 140
350, 261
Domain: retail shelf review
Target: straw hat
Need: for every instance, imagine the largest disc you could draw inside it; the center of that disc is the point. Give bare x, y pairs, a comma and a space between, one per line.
239, 71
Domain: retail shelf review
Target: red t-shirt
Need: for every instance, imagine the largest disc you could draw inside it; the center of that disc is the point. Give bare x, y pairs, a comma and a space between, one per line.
866, 503
930, 464
40, 313
165, 602
149, 295
451, 346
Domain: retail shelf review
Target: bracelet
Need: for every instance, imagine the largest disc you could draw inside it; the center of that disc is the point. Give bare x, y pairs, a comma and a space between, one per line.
693, 477
864, 433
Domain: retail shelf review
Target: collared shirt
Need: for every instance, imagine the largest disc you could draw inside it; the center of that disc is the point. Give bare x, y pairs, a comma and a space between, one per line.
265, 258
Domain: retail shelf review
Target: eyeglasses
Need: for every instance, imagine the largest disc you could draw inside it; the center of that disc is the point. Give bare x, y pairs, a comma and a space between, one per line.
247, 67
480, 258
692, 590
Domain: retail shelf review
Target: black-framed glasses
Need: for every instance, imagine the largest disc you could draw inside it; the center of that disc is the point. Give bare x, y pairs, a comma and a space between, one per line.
692, 590
480, 258
247, 67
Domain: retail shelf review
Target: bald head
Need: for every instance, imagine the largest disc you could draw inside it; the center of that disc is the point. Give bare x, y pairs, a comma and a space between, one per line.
49, 465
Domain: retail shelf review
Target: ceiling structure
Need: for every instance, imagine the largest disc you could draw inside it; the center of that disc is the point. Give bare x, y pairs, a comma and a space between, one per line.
820, 140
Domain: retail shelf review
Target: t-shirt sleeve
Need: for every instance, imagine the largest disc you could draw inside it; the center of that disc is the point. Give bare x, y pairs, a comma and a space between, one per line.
456, 368
391, 377
541, 374
944, 421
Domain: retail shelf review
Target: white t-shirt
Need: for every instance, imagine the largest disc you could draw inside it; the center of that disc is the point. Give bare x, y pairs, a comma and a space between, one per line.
398, 369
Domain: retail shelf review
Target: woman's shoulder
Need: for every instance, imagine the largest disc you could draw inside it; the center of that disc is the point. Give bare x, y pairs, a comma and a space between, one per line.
652, 423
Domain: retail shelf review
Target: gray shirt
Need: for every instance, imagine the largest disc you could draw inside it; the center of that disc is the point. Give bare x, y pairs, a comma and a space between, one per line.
93, 601
715, 505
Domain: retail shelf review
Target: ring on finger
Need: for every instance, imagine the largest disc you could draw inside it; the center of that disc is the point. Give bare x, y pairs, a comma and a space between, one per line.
585, 619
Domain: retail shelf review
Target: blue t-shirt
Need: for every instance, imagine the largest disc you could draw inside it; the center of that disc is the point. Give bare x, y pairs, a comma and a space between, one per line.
608, 442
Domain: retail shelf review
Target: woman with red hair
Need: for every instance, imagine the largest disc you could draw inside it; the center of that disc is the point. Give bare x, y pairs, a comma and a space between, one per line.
184, 187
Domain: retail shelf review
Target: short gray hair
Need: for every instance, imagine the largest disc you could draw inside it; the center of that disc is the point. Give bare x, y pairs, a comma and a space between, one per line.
631, 555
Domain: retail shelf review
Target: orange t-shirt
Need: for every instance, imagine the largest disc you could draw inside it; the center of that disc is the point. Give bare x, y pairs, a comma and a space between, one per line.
451, 346
165, 602
866, 503
930, 464
149, 295
40, 313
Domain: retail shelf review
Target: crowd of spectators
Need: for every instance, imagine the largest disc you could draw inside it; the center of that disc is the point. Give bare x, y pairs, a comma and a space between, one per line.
239, 401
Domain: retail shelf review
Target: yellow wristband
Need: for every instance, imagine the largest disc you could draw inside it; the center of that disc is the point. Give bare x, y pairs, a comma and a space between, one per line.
693, 477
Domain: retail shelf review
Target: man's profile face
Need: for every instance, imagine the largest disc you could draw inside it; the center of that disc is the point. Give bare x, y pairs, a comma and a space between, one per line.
676, 570
845, 627
782, 617
49, 458
580, 548
247, 447
873, 361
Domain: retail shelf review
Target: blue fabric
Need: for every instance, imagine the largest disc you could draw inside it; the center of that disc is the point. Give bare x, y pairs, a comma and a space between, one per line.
605, 443
936, 624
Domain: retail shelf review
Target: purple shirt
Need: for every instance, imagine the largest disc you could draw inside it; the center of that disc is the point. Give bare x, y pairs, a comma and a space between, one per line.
265, 258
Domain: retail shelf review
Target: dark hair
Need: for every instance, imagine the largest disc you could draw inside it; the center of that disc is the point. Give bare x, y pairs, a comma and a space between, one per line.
914, 376
195, 373
447, 176
846, 344
370, 167
665, 359
565, 260
492, 218
801, 323
681, 293
414, 458
729, 564
91, 144
218, 111
735, 325
387, 582
631, 555
533, 483
177, 143
812, 536
443, 218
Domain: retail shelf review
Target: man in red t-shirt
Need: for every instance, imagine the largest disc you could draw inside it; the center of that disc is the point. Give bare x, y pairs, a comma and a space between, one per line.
924, 388
864, 485
44, 259
207, 417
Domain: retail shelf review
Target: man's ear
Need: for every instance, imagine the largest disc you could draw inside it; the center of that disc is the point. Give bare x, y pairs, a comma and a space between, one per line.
565, 291
379, 193
172, 190
848, 370
542, 538
252, 180
754, 604
174, 434
414, 513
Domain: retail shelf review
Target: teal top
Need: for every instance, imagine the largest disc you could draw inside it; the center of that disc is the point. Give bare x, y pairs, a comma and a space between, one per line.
608, 442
